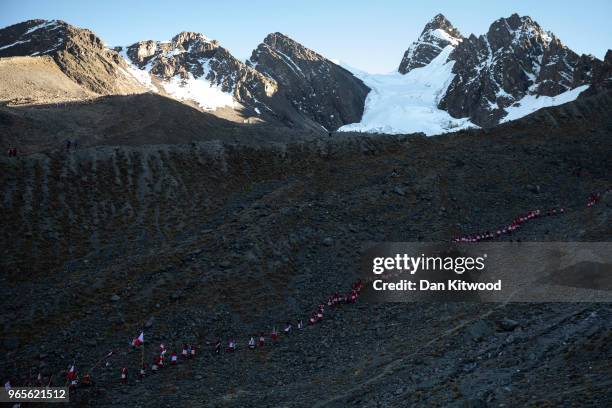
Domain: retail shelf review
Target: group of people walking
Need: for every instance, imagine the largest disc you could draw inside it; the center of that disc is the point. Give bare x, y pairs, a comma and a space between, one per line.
522, 219
165, 357
70, 145
509, 228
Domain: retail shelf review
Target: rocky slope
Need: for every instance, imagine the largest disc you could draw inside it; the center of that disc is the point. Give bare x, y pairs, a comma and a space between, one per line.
79, 54
128, 120
28, 81
202, 241
437, 34
315, 86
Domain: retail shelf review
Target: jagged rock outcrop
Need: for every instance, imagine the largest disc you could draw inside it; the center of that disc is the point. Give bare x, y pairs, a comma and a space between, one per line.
78, 52
436, 35
316, 87
600, 73
516, 58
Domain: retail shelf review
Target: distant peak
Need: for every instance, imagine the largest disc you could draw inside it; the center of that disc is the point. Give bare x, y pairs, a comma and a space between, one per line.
522, 26
440, 22
273, 39
190, 36
514, 21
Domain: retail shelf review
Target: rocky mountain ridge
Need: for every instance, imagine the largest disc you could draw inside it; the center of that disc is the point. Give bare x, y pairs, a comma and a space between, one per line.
318, 88
514, 69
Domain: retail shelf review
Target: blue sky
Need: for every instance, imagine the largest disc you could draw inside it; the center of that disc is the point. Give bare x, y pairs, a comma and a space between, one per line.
370, 35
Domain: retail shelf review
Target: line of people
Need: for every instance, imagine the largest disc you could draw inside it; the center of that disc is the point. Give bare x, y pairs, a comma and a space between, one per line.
509, 228
522, 219
594, 198
189, 351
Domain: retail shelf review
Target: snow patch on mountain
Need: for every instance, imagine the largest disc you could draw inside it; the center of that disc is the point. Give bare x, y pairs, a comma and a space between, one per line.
408, 103
443, 35
204, 93
141, 75
51, 25
532, 103
207, 95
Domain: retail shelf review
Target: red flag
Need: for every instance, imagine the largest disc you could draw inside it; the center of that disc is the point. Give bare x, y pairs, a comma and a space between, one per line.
138, 341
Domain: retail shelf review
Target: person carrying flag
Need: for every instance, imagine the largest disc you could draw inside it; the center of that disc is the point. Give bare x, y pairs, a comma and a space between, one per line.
72, 378
138, 341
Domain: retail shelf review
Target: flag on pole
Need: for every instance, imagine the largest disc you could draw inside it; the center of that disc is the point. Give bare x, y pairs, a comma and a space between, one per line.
138, 341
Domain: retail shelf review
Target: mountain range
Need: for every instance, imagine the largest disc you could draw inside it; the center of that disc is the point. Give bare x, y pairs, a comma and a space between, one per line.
445, 81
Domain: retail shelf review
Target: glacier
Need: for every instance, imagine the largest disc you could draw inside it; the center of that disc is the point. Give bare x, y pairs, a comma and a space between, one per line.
409, 103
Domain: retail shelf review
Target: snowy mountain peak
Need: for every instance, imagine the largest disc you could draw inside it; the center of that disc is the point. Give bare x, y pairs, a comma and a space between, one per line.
515, 59
437, 34
447, 81
196, 68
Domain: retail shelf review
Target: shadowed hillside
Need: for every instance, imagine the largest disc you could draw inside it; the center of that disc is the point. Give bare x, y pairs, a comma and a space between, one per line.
206, 238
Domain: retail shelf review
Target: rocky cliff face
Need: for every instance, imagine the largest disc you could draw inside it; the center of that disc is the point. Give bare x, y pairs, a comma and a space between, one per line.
79, 53
436, 35
600, 72
316, 87
515, 59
